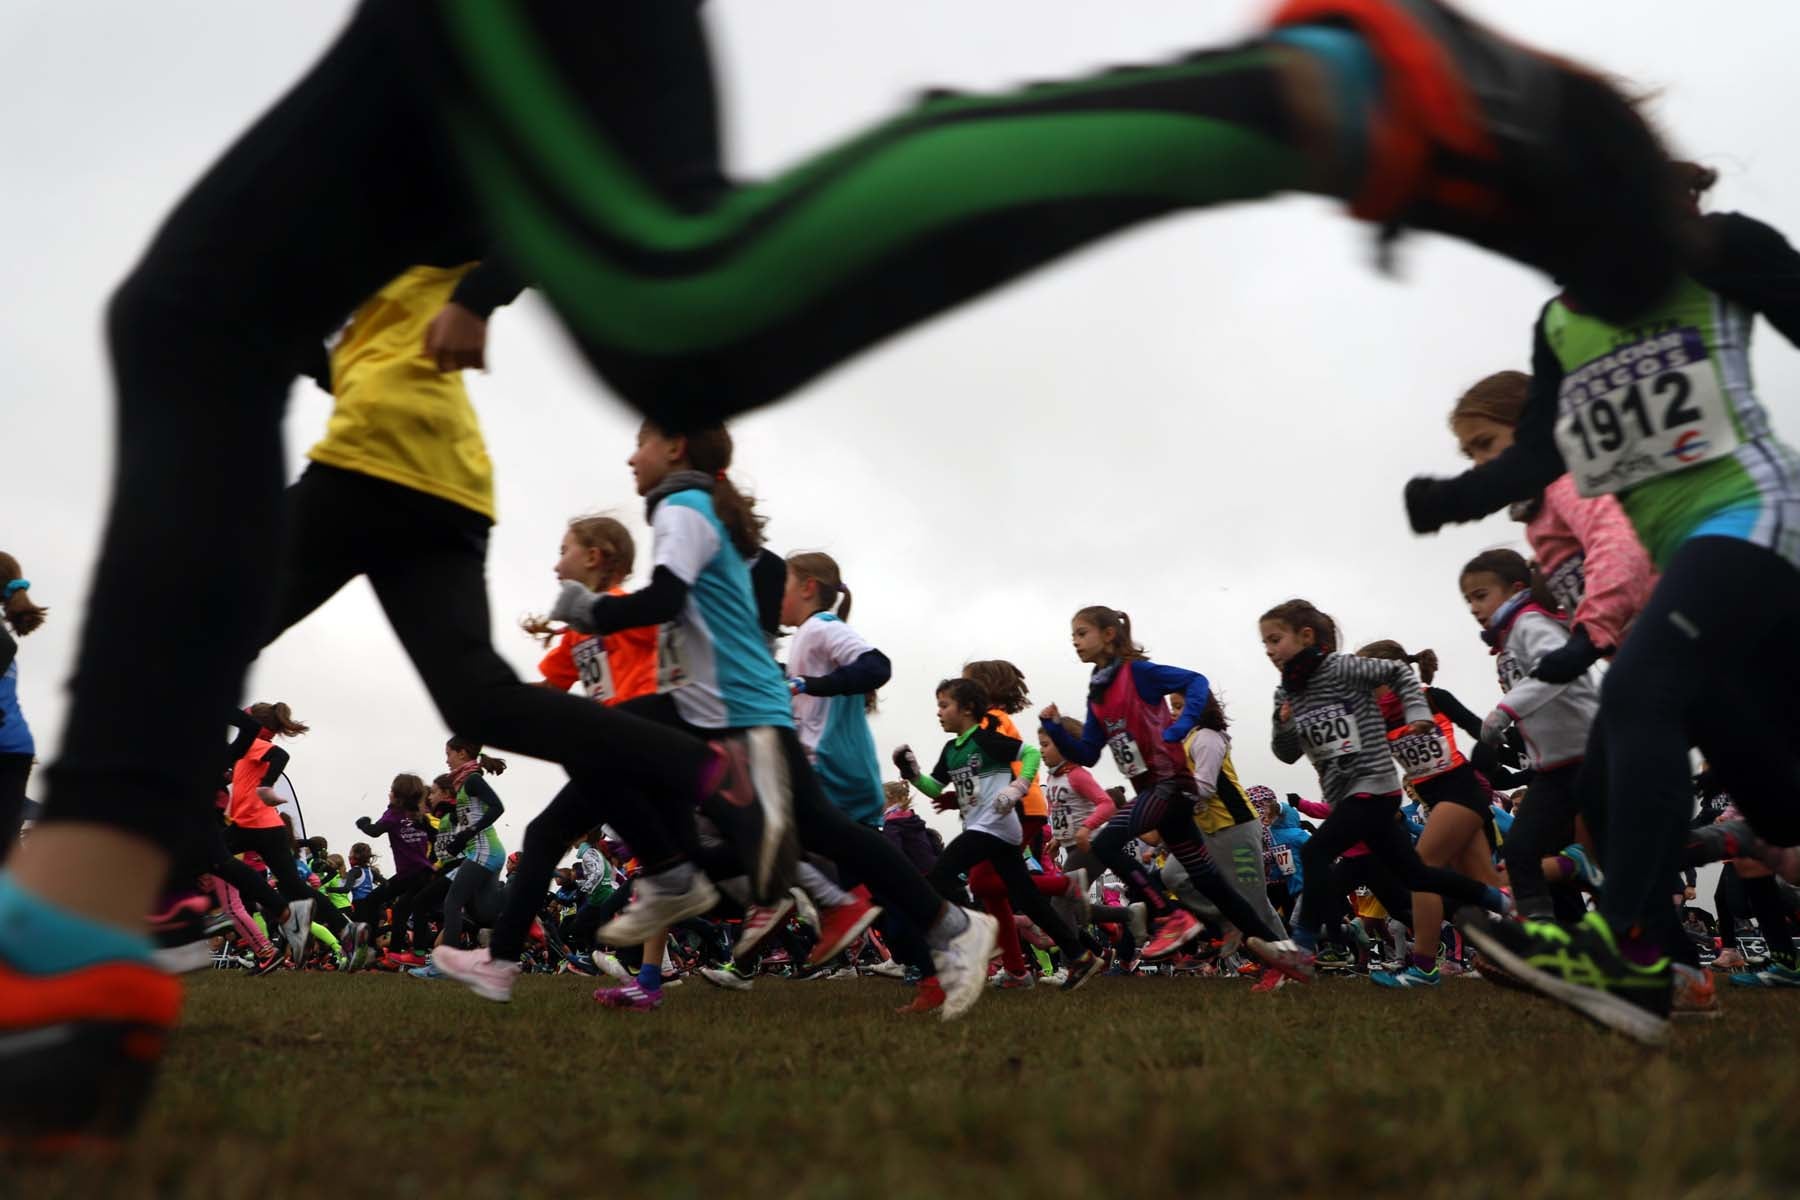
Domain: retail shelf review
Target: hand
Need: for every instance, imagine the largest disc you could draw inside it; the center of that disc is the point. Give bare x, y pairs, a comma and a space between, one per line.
574, 606
796, 686
1421, 727
1286, 712
1688, 893
457, 844
1569, 661
1493, 729
945, 802
907, 763
457, 338
1050, 713
1010, 795
1426, 501
269, 796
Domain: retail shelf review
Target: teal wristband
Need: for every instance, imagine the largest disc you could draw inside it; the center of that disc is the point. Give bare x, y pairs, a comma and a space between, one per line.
17, 585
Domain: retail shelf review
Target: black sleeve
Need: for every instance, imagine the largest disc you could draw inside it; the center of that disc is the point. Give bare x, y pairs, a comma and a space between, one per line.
368, 827
276, 760
941, 771
1453, 708
247, 728
658, 601
317, 367
768, 580
1531, 464
867, 674
478, 787
1753, 264
491, 284
1003, 748
9, 648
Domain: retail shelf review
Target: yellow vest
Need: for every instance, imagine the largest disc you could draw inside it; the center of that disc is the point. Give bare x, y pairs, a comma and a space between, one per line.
398, 417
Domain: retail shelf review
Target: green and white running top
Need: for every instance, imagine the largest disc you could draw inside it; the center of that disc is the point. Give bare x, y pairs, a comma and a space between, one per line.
1663, 412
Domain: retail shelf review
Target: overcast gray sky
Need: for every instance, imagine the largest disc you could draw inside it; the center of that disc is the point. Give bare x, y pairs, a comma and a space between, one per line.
1191, 422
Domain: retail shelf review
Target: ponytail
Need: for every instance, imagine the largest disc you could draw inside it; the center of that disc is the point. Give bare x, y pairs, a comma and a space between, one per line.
472, 749
1510, 567
1118, 621
17, 608
491, 765
709, 451
1425, 661
823, 570
277, 718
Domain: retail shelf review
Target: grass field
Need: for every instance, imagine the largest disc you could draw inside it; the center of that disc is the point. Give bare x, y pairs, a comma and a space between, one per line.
334, 1086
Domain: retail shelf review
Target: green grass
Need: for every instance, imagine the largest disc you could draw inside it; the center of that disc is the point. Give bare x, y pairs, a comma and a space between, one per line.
1131, 1087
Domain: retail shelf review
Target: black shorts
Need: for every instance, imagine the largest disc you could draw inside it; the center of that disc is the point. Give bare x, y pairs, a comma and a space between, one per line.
1459, 786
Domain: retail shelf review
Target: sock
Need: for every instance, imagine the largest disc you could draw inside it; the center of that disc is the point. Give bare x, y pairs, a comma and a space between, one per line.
650, 977
42, 938
1565, 867
1044, 964
951, 922
1425, 962
322, 934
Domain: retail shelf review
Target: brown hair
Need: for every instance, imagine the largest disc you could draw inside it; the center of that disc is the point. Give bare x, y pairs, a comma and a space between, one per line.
1213, 715
19, 611
1510, 567
709, 451
1425, 660
966, 693
489, 764
823, 570
616, 546
277, 718
896, 793
1298, 614
1003, 682
1116, 620
408, 792
1499, 397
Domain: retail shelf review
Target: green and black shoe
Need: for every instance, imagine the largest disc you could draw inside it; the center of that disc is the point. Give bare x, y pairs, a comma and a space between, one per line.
1580, 966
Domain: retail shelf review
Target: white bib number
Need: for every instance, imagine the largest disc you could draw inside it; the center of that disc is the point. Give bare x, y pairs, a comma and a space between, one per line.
963, 780
594, 665
1126, 755
1647, 409
1284, 860
1062, 827
1424, 755
671, 673
1328, 732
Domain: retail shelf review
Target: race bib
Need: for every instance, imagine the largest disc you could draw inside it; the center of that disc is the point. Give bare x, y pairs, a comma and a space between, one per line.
1328, 732
671, 673
1062, 827
1284, 860
1568, 583
1424, 755
1649, 408
1506, 665
963, 780
594, 665
1126, 755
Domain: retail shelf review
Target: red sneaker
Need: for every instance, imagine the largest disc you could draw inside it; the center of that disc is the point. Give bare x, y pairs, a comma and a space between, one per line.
407, 958
929, 995
1177, 930
841, 925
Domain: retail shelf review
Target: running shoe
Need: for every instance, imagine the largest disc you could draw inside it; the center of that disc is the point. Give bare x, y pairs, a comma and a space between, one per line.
1771, 974
356, 946
297, 928
759, 921
962, 964
1333, 957
79, 1051
612, 966
1056, 978
804, 909
1006, 981
1695, 996
579, 964
753, 806
841, 924
480, 972
1729, 959
406, 958
629, 996
891, 969
1175, 931
1579, 966
1232, 943
1412, 977
727, 977
926, 997
428, 971
180, 960
656, 905
1284, 957
1587, 871
1735, 839
1080, 971
1268, 981
269, 960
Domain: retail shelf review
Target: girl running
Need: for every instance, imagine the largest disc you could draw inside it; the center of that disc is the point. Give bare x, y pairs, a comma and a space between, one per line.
1458, 832
1128, 716
598, 553
472, 835
409, 842
1079, 806
1327, 709
18, 615
977, 764
714, 674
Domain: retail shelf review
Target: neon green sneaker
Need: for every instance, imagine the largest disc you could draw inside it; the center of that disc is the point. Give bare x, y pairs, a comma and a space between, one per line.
1579, 965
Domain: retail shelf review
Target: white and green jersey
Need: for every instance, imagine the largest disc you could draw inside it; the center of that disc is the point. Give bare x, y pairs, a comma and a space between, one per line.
1663, 412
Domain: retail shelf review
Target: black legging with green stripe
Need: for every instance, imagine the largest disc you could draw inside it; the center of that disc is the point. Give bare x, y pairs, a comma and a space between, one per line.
691, 296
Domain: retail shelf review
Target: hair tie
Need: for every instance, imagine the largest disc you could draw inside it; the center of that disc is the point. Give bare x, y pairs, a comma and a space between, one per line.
17, 585
719, 476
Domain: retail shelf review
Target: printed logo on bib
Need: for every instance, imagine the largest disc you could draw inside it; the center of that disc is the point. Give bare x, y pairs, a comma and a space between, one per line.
671, 673
1424, 755
963, 780
1327, 732
1126, 755
1648, 408
594, 665
1507, 666
1568, 583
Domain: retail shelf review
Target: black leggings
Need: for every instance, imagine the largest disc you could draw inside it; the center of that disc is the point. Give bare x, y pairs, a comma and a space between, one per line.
15, 773
401, 894
1713, 661
1544, 826
272, 845
207, 853
1373, 821
1365, 870
350, 179
971, 847
1167, 808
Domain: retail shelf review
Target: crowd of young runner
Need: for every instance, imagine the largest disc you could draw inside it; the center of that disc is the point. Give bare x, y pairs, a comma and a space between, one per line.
713, 782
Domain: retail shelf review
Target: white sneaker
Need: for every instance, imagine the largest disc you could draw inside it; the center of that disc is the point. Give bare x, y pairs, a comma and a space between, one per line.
725, 977
1057, 978
962, 965
654, 908
179, 960
889, 970
297, 929
612, 966
759, 921
478, 970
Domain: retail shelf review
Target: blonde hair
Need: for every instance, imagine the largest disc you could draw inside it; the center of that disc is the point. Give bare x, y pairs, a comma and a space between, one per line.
823, 570
616, 547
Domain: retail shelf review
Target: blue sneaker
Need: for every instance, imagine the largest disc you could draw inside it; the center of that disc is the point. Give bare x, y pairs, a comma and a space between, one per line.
1587, 872
428, 971
1770, 974
1412, 977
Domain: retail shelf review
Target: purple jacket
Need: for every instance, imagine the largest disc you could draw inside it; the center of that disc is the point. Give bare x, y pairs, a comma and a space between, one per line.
907, 830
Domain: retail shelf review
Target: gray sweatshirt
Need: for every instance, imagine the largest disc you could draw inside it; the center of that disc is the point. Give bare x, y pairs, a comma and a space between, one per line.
1337, 723
1553, 718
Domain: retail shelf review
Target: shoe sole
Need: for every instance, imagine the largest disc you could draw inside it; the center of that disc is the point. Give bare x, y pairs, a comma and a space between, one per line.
824, 952
966, 998
710, 977
1274, 959
747, 941
1074, 981
622, 931
1603, 1008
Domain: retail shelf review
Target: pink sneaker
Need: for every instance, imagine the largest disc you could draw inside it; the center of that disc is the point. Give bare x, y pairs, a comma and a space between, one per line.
479, 971
629, 996
1177, 930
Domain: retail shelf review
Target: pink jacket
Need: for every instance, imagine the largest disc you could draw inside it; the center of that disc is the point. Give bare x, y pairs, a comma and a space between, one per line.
1591, 558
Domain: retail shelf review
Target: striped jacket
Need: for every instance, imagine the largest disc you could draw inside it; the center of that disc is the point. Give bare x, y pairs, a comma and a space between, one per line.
1337, 722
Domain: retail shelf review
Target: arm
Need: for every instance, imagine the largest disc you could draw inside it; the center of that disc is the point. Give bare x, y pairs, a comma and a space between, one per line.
1155, 680
478, 787
1531, 464
1533, 636
1206, 751
858, 677
1374, 672
558, 665
1312, 808
372, 828
1284, 739
246, 725
657, 602
1030, 759
1085, 750
276, 760
1456, 710
488, 286
1088, 788
1615, 565
1754, 265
